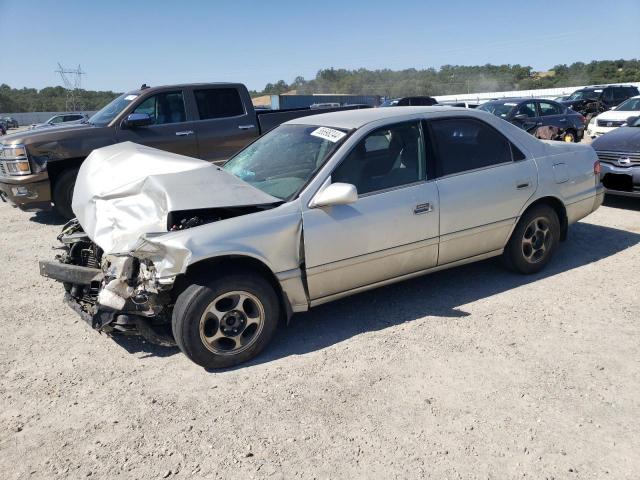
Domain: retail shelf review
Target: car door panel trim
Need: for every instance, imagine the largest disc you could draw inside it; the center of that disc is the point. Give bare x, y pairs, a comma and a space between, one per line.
371, 286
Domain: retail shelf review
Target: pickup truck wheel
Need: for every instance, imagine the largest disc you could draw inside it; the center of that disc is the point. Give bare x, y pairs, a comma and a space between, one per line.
227, 321
63, 193
533, 241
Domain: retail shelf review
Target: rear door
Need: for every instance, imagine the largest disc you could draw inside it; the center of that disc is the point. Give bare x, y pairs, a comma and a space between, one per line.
483, 181
170, 131
552, 115
224, 125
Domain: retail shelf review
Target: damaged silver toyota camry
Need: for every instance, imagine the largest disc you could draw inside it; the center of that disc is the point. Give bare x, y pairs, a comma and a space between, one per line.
212, 258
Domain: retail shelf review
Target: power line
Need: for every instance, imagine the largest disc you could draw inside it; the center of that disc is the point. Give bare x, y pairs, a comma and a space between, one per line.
72, 80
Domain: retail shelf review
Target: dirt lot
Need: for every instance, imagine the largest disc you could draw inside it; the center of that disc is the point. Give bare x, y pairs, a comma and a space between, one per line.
469, 373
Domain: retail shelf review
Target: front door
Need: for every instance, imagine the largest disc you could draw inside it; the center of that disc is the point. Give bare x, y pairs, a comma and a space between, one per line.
483, 181
526, 117
170, 130
390, 231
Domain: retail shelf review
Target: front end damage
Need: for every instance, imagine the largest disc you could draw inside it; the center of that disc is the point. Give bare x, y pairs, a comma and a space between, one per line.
115, 294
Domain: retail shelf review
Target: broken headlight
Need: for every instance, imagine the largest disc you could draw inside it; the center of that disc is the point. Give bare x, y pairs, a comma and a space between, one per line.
14, 160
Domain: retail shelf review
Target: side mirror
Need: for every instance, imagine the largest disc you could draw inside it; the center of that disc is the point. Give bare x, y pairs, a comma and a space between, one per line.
335, 194
631, 121
135, 120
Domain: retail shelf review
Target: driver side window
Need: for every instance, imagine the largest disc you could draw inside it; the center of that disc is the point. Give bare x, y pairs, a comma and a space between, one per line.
163, 108
386, 158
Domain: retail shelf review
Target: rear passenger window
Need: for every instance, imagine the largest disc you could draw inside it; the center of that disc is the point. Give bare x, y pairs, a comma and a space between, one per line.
219, 103
467, 144
548, 108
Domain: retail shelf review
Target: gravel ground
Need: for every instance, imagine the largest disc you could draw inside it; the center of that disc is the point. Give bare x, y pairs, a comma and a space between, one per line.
469, 373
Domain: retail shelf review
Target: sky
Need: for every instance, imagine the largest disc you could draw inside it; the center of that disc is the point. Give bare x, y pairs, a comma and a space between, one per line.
122, 44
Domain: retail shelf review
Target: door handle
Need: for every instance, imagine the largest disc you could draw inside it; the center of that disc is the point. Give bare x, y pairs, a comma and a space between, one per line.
422, 208
184, 133
563, 119
246, 127
522, 185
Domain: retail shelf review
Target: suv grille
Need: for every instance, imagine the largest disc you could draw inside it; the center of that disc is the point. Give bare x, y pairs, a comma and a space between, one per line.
614, 158
3, 170
611, 123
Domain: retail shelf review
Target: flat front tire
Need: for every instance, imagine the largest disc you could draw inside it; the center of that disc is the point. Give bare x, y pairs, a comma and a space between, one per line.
226, 321
533, 241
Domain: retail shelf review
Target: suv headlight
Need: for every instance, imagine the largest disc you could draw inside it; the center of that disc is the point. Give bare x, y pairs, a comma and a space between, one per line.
15, 160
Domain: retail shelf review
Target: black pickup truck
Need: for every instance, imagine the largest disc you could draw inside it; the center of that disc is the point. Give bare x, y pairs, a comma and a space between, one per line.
210, 121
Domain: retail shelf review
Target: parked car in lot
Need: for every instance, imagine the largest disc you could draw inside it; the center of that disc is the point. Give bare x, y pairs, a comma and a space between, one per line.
460, 104
541, 118
61, 119
619, 154
10, 122
209, 121
3, 128
592, 101
614, 118
409, 102
317, 209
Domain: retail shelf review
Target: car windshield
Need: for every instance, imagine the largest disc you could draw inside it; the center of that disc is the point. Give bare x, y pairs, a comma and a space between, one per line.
631, 105
104, 116
282, 161
499, 109
585, 95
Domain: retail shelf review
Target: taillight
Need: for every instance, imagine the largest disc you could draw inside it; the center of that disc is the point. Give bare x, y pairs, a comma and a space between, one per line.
596, 167
583, 119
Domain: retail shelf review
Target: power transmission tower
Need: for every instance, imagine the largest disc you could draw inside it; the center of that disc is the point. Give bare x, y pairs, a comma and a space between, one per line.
72, 79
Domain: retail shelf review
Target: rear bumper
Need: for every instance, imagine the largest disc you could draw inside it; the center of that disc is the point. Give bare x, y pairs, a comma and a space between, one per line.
623, 181
31, 192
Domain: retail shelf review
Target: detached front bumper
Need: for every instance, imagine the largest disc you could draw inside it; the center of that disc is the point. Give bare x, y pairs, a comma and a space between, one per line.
623, 181
29, 192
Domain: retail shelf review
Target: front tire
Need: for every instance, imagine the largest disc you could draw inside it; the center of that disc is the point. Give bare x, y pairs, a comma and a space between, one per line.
63, 193
533, 241
227, 321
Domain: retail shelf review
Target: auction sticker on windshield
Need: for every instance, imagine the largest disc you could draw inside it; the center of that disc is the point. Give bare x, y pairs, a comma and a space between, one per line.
130, 97
328, 134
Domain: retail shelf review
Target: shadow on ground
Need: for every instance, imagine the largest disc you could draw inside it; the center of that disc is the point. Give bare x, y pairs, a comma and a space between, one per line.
439, 294
47, 217
626, 203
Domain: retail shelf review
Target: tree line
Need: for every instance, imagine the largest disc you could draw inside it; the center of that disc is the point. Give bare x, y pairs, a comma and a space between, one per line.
447, 80
458, 79
49, 99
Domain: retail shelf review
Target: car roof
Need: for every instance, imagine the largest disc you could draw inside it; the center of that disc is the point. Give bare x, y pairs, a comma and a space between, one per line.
357, 118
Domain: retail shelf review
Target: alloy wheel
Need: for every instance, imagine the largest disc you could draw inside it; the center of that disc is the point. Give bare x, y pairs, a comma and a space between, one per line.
536, 240
232, 322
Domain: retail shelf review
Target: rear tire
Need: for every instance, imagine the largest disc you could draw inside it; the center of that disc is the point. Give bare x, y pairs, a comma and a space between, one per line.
63, 193
569, 136
226, 321
533, 241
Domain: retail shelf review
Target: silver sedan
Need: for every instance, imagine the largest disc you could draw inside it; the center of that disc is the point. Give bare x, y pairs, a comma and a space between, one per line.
319, 208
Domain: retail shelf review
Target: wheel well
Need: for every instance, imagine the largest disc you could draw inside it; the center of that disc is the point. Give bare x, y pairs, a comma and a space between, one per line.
55, 169
234, 263
560, 210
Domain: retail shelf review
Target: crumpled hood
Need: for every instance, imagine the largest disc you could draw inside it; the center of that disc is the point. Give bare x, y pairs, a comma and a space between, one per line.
126, 190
